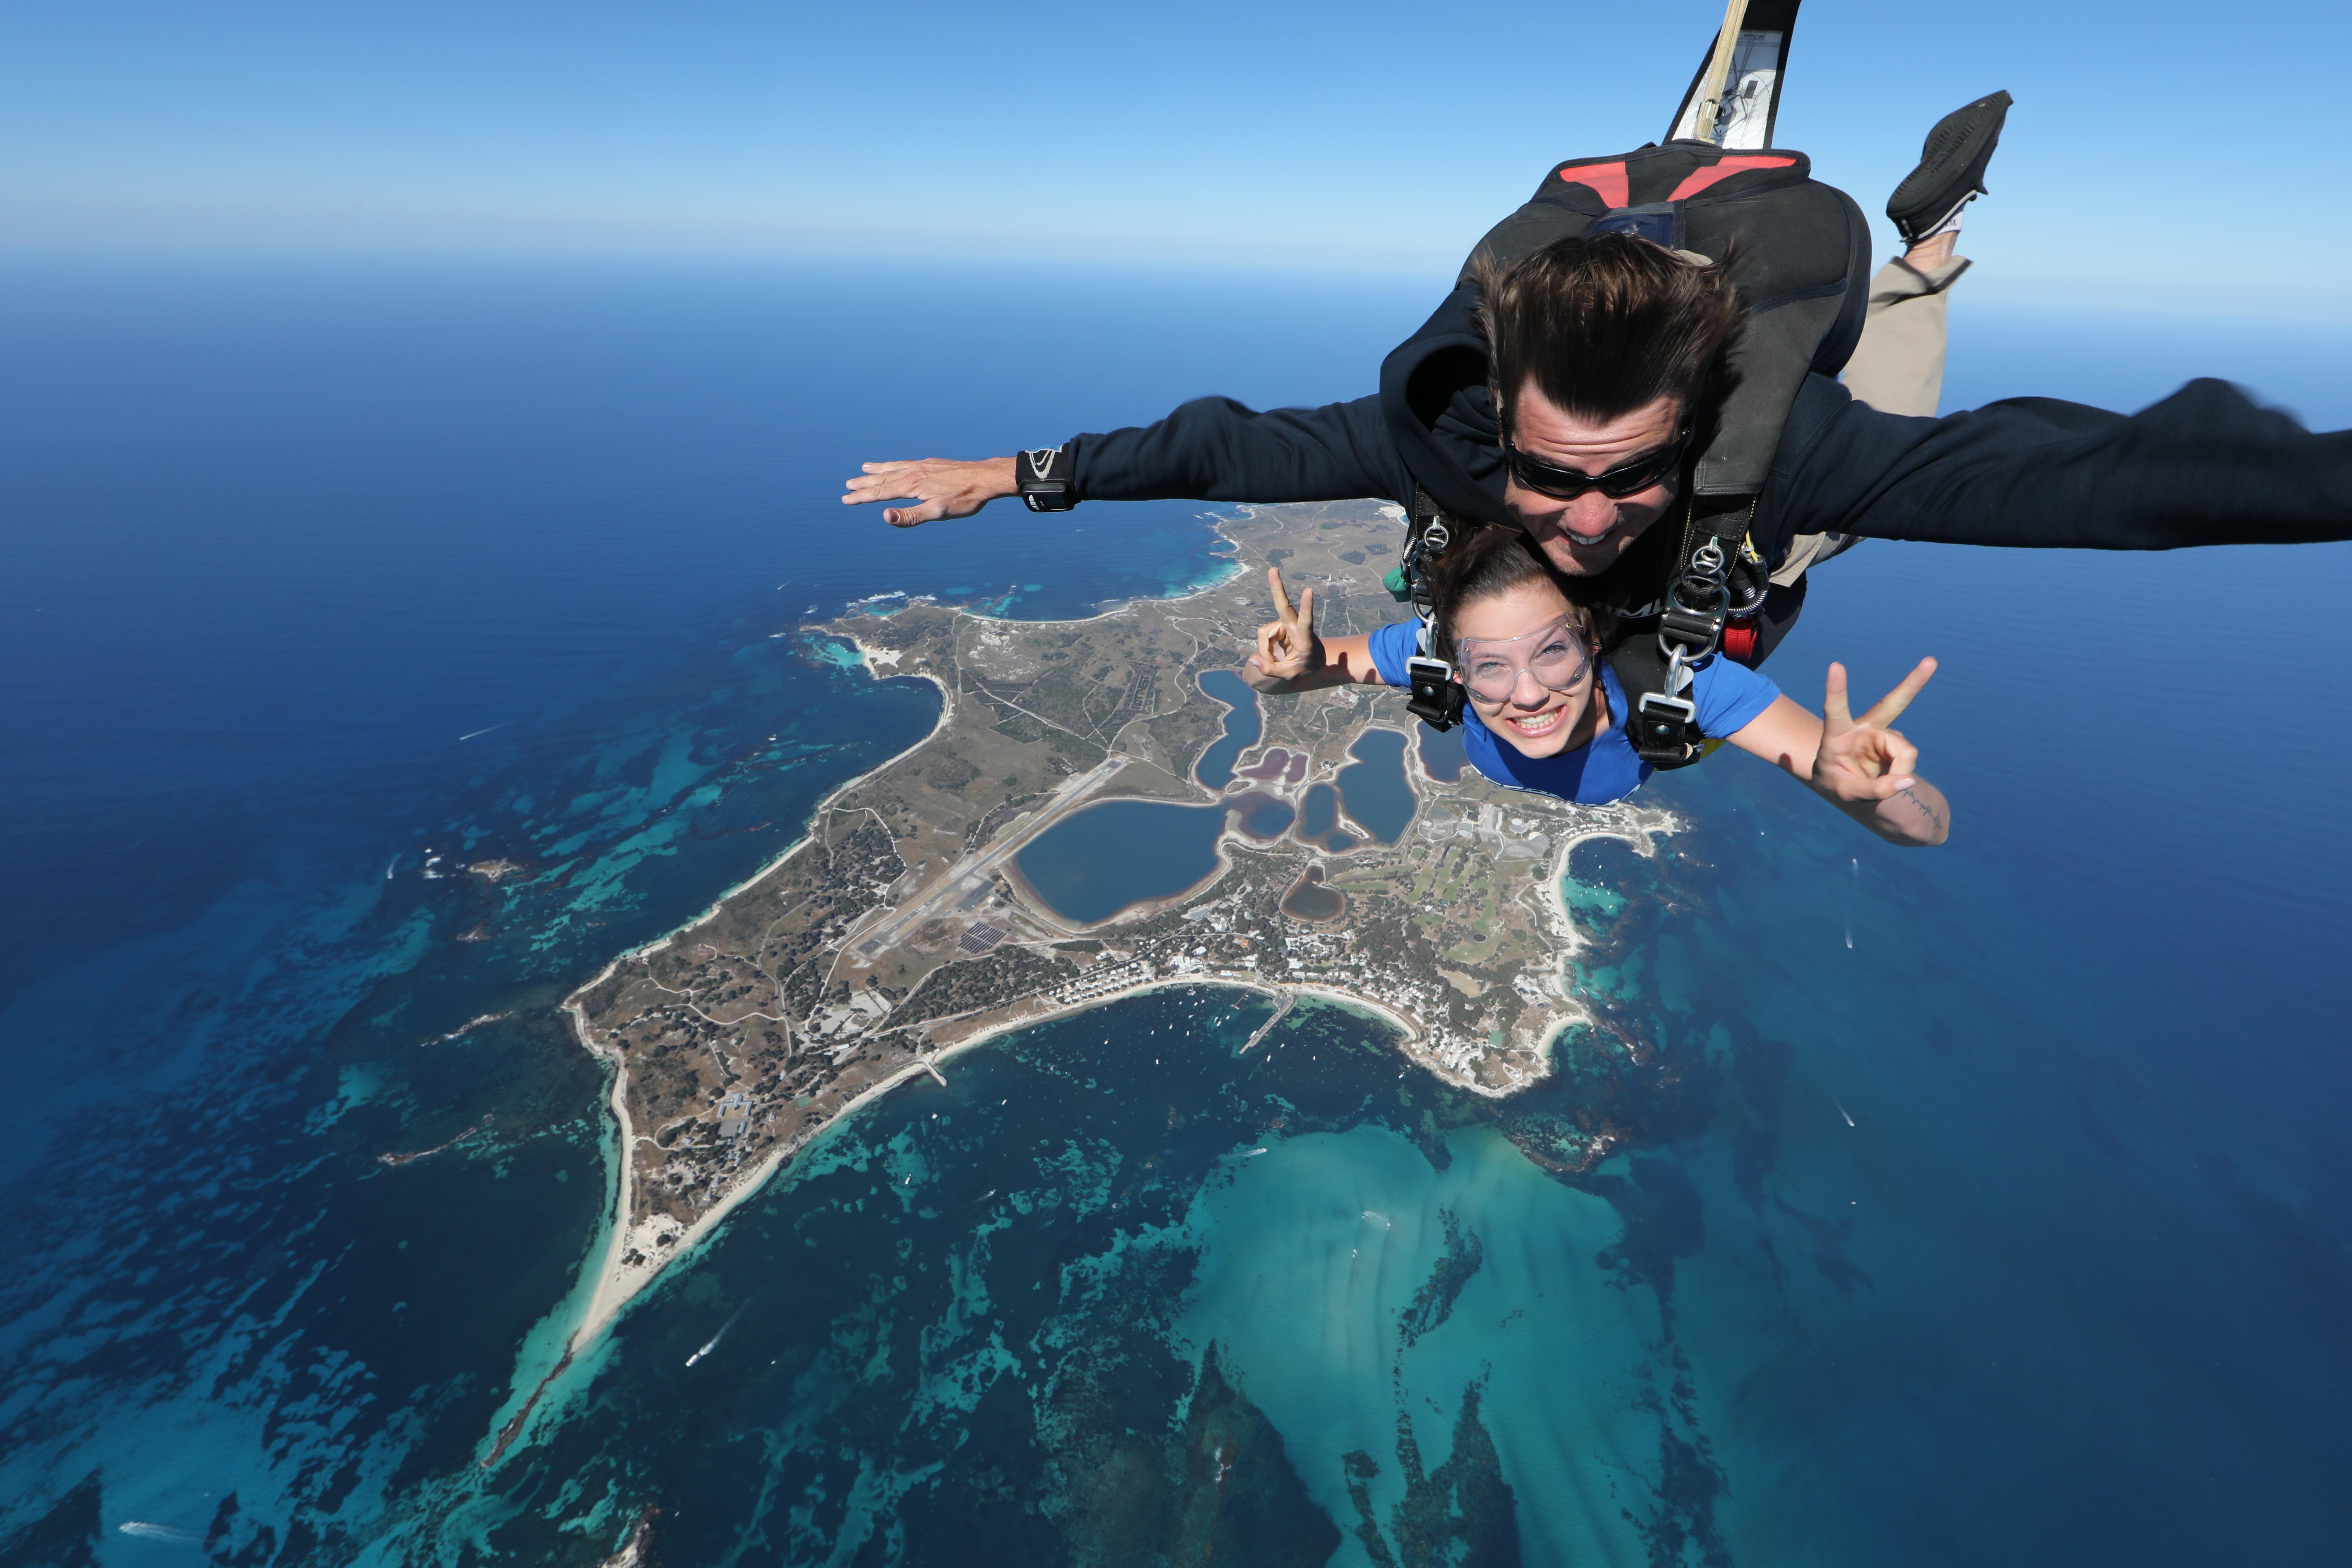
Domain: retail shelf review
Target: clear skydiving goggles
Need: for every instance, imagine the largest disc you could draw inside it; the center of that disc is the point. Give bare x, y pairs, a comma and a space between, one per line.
1556, 654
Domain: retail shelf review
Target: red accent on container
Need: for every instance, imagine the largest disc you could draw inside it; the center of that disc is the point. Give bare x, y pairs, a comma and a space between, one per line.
1739, 641
1607, 179
1698, 180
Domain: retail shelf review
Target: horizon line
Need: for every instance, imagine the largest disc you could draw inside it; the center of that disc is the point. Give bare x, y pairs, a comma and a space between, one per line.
2095, 296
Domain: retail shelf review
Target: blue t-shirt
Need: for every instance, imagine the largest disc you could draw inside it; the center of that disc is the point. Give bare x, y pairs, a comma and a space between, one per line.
1728, 696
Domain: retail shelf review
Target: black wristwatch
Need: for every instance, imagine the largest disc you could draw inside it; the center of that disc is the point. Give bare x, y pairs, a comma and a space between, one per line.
1044, 476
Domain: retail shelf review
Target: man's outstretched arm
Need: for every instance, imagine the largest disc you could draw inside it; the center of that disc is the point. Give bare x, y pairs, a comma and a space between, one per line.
2206, 466
1210, 449
939, 487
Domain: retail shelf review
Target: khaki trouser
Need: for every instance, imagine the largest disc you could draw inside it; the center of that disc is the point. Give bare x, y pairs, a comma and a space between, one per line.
1896, 368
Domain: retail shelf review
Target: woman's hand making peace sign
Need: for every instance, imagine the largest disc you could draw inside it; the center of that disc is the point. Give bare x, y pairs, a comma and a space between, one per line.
1862, 766
1288, 648
1863, 759
1291, 656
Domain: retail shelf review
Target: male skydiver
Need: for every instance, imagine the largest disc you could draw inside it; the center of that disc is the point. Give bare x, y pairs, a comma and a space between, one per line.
1898, 367
1587, 450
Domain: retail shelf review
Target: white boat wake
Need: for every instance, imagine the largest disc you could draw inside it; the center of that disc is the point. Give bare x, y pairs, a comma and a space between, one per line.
721, 1334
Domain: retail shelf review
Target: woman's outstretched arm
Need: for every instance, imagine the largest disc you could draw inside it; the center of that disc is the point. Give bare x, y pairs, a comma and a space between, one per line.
1861, 766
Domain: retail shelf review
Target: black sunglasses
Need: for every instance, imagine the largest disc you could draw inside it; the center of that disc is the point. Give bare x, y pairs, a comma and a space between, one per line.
1625, 479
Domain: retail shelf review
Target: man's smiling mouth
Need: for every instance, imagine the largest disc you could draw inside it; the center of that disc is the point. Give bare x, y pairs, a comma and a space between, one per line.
1590, 540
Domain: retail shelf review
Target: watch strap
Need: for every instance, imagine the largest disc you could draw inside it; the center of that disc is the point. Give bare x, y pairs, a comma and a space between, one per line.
1045, 478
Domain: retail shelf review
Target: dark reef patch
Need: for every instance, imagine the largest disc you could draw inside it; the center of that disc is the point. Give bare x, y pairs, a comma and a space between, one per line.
1434, 1303
1461, 1513
1220, 1489
66, 1536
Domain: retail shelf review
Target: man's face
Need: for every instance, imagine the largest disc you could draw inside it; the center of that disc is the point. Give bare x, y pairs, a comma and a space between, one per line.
1586, 536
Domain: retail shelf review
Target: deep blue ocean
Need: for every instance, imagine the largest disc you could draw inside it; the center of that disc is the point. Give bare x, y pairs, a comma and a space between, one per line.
1986, 1205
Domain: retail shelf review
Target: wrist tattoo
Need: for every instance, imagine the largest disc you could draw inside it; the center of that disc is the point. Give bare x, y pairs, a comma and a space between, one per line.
1935, 818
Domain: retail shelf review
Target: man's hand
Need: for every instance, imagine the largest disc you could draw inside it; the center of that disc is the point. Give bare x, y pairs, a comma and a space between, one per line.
946, 486
1287, 648
1863, 760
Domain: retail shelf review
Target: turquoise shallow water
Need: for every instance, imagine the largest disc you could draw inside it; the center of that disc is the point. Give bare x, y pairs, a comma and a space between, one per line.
1367, 1299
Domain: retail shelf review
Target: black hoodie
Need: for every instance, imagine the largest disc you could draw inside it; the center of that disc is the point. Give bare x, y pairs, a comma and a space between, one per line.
2205, 466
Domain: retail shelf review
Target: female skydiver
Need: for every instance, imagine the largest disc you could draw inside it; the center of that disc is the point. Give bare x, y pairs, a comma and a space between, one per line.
1545, 714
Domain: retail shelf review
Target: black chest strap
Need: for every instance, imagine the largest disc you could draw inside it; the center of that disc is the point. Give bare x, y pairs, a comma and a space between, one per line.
1714, 578
1433, 693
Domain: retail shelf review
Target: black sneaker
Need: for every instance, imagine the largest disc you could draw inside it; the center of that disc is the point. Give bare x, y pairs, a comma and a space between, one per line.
1951, 168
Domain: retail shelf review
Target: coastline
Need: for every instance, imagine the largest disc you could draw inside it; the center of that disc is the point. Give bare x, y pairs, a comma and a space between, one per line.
613, 1292
1639, 839
618, 1285
615, 1288
636, 1254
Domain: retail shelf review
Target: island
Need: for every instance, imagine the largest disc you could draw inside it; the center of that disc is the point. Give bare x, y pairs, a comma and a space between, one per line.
1102, 807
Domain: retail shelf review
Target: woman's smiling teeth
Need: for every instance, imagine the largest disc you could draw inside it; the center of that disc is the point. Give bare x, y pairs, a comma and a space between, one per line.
1535, 726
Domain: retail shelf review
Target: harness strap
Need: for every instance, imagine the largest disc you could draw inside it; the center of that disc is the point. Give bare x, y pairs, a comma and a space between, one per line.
1716, 578
1433, 692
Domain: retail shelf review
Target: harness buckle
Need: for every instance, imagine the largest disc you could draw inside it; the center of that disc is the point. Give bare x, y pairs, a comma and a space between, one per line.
1434, 694
1685, 710
1664, 729
1679, 628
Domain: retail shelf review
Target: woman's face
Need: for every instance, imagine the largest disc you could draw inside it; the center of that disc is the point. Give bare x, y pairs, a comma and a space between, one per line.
1501, 639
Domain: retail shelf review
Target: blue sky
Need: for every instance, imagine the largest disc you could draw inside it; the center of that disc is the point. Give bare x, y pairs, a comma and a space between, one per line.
2158, 152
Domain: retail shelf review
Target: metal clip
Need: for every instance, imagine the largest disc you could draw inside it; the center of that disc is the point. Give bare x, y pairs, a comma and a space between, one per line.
1685, 709
1678, 672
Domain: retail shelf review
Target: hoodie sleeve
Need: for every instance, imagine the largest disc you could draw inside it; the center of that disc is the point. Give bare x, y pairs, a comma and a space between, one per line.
2206, 466
1215, 449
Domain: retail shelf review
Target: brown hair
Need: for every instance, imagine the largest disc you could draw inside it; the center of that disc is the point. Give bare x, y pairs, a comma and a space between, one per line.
1486, 560
1606, 326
